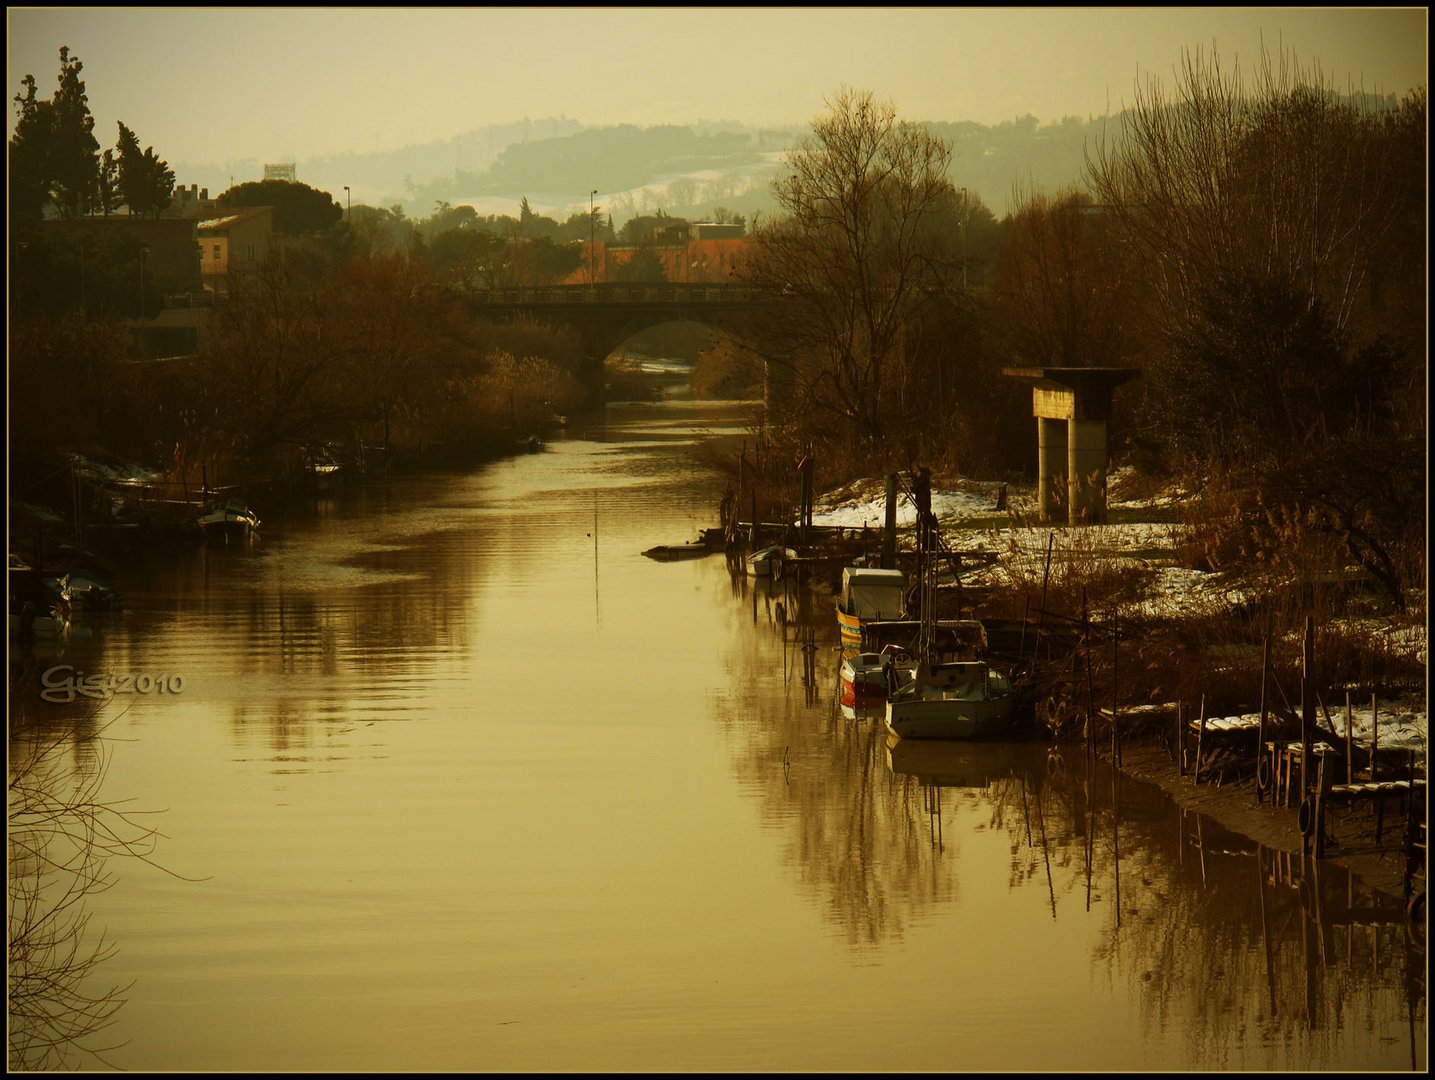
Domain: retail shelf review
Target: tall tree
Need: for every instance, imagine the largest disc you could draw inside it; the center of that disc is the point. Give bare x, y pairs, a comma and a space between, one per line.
74, 153
1061, 291
146, 183
29, 157
866, 241
109, 196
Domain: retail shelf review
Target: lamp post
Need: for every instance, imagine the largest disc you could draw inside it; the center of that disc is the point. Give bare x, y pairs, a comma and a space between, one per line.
143, 252
590, 236
964, 239
349, 213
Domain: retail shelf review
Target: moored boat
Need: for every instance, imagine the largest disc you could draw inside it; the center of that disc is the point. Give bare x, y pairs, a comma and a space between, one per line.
769, 561
960, 699
868, 595
866, 677
232, 520
665, 552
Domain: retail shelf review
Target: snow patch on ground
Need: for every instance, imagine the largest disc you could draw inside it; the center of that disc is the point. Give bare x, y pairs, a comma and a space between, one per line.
1018, 550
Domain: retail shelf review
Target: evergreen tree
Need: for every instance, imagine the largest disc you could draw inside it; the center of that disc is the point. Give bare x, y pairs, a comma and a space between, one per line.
54, 156
146, 182
74, 152
29, 153
298, 208
109, 186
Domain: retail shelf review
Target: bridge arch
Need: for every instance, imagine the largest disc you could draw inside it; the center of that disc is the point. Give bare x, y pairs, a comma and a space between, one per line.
607, 315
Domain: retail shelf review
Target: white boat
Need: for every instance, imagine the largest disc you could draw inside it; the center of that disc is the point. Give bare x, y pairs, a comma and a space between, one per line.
866, 677
768, 561
960, 699
950, 697
233, 519
868, 595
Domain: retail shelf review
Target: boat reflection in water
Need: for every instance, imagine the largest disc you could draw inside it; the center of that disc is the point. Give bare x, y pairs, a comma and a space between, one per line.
961, 763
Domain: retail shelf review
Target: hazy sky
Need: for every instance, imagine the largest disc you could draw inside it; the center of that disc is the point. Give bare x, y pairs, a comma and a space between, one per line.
210, 85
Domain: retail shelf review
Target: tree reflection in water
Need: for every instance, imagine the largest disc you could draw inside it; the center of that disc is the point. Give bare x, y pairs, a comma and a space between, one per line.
1254, 955
62, 837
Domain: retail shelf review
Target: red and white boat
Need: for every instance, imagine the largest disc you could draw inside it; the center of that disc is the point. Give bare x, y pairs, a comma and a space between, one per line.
867, 676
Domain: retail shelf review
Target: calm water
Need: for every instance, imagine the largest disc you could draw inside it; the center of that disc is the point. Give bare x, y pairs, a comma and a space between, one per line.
457, 779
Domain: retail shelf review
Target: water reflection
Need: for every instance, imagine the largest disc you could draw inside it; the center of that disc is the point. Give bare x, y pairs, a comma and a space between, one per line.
62, 837
1241, 956
455, 750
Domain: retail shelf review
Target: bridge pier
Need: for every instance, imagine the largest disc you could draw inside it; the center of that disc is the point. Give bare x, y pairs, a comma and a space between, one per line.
1072, 406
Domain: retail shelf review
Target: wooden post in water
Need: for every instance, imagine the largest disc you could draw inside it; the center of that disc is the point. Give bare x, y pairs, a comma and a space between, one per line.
1115, 697
1021, 641
1045, 578
1090, 724
1374, 735
1200, 738
1180, 743
1261, 724
1349, 741
1318, 810
1307, 704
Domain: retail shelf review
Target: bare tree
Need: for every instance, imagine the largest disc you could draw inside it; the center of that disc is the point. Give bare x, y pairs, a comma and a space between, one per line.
1063, 290
1282, 181
62, 836
865, 239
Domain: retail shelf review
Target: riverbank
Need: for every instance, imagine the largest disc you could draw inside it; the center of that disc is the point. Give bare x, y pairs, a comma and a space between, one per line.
1351, 839
1188, 635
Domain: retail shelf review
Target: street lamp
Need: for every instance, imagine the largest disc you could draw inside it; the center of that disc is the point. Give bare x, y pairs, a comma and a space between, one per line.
349, 214
143, 252
590, 235
964, 239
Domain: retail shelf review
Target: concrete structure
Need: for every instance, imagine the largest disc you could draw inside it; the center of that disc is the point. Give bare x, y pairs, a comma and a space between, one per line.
1072, 406
606, 315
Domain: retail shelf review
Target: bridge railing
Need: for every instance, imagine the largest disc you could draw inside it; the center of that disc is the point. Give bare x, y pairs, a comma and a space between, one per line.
619, 294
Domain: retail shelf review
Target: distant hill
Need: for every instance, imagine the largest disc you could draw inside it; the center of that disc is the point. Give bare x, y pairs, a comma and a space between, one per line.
684, 170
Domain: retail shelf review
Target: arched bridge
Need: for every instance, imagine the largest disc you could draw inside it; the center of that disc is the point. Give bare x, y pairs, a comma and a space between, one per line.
605, 315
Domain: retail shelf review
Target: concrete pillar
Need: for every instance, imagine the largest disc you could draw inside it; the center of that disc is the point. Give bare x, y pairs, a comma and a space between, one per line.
1051, 469
1086, 471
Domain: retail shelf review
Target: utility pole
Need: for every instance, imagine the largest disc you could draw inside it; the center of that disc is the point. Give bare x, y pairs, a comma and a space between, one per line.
590, 237
964, 239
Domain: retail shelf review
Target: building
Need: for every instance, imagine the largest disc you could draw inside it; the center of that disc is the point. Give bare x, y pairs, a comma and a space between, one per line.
190, 201
234, 241
704, 252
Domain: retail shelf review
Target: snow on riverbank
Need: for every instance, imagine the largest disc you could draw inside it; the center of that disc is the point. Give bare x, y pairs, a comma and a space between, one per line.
969, 519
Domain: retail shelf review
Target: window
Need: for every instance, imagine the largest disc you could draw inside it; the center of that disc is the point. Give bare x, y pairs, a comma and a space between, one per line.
251, 252
216, 252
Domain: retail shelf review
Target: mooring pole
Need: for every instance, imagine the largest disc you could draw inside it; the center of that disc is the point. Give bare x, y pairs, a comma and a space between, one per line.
1261, 726
1307, 704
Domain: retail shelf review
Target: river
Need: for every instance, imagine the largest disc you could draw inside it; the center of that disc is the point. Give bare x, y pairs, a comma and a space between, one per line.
451, 777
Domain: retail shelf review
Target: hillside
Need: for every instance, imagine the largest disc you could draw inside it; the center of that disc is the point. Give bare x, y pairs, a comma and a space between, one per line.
683, 170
